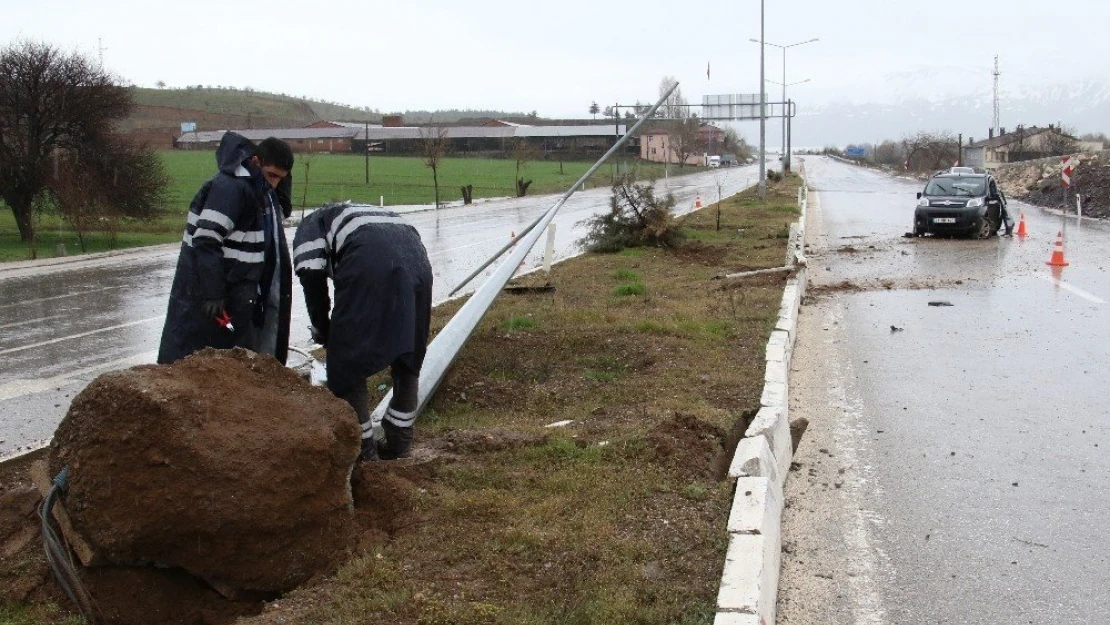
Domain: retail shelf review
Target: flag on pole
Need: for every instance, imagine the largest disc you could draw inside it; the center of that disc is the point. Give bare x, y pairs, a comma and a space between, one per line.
707, 70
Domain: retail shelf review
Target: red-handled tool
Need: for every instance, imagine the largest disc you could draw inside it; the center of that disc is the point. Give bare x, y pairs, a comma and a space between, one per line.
225, 320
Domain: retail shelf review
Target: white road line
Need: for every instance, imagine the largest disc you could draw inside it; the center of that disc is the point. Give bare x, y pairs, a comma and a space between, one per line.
19, 388
23, 323
82, 334
1076, 290
47, 299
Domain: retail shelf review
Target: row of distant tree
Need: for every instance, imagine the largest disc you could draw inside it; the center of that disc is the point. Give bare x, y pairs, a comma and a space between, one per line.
929, 151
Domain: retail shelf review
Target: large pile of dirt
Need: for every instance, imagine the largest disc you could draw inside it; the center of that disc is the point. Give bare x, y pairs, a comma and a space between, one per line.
1090, 180
224, 464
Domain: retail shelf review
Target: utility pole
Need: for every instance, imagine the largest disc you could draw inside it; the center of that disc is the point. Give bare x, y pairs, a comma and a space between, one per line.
366, 147
100, 49
994, 122
617, 132
789, 128
762, 110
785, 156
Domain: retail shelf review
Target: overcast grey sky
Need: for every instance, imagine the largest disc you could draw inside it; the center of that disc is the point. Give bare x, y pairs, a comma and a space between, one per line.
557, 57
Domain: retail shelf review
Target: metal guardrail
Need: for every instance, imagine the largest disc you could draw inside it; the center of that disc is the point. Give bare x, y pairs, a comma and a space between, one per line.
445, 347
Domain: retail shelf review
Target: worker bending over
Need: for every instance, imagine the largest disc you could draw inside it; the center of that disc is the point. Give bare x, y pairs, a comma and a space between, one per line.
382, 312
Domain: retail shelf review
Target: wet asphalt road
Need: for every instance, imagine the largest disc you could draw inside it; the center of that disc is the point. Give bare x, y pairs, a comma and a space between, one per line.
957, 467
63, 324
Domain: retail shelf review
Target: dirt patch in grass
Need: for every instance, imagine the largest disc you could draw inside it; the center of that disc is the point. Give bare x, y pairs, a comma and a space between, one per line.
617, 515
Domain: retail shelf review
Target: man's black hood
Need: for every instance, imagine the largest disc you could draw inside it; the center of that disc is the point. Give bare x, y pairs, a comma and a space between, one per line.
234, 149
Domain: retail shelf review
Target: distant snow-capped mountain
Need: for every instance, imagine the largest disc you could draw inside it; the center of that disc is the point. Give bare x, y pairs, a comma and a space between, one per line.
954, 99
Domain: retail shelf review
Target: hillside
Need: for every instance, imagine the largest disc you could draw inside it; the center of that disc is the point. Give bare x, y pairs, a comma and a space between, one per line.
159, 113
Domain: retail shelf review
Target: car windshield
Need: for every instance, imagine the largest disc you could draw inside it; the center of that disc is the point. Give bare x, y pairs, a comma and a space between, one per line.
959, 186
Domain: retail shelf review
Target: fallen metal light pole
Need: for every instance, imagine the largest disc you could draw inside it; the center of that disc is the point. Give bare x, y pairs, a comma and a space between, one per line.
445, 347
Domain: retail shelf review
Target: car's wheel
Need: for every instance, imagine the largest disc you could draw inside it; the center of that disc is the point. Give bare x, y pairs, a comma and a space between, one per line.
984, 228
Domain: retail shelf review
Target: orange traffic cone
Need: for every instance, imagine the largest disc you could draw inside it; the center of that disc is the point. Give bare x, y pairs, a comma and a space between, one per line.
1021, 231
1057, 259
697, 202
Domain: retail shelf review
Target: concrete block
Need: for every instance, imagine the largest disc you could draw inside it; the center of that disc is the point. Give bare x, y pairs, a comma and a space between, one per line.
750, 581
787, 320
773, 423
754, 458
742, 579
738, 618
777, 372
774, 394
756, 507
776, 350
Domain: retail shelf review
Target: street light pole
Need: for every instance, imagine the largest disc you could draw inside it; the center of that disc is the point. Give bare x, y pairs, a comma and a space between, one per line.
786, 161
785, 156
762, 111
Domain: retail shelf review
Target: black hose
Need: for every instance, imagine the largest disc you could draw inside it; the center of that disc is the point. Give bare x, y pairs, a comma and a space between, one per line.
58, 555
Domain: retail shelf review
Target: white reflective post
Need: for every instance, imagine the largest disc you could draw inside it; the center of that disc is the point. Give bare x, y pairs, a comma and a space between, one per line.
549, 251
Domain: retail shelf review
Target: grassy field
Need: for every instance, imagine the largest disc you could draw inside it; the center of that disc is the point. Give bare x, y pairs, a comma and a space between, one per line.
399, 180
616, 519
330, 177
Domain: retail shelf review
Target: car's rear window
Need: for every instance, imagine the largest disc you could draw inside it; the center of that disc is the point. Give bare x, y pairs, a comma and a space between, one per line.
956, 185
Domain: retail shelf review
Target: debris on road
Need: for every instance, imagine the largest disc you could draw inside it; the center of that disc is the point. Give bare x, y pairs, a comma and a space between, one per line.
940, 303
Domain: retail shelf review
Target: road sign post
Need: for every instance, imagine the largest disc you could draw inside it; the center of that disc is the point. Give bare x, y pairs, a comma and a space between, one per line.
1067, 168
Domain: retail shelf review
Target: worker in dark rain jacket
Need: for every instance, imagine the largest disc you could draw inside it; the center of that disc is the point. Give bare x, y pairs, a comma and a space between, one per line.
232, 286
382, 313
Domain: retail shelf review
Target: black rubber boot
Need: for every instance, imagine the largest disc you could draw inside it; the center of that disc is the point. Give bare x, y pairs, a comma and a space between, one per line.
398, 441
369, 451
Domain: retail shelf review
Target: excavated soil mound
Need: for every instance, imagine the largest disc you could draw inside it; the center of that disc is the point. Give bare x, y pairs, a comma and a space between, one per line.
1090, 180
224, 464
688, 445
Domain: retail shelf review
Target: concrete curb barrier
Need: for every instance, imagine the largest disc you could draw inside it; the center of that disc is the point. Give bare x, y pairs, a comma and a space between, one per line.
748, 593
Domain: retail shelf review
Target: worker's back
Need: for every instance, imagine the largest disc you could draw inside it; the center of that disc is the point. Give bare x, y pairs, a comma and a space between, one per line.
382, 277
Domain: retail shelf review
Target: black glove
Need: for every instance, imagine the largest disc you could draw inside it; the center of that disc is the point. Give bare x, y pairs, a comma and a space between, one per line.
212, 308
318, 336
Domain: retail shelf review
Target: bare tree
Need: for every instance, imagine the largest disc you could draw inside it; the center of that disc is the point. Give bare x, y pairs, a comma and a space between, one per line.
674, 107
94, 191
594, 109
54, 104
683, 138
522, 153
736, 145
889, 153
1057, 143
433, 147
930, 150
1097, 136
